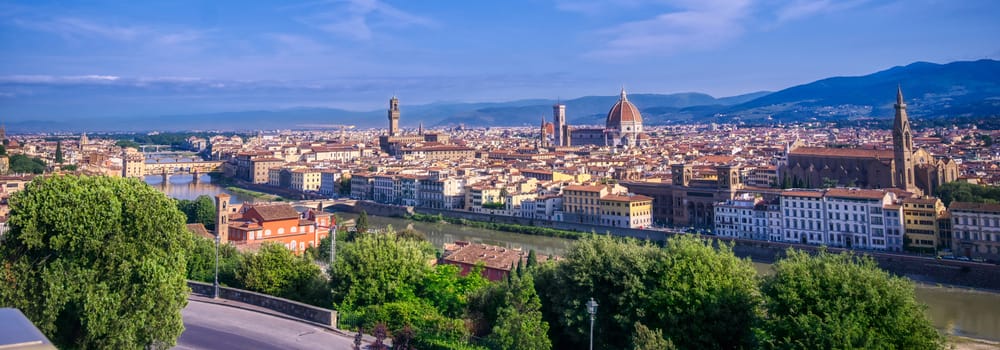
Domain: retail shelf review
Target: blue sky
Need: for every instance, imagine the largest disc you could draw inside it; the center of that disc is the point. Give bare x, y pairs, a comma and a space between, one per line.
144, 57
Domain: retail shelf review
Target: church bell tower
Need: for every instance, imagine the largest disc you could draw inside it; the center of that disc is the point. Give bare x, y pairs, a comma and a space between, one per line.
902, 147
394, 116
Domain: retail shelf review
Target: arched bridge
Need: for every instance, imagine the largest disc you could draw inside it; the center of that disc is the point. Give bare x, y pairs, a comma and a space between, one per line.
193, 167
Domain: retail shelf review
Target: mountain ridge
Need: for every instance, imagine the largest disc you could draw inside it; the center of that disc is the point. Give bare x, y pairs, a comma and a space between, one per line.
966, 89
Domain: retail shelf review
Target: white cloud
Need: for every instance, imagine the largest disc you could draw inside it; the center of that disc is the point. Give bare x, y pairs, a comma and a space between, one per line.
70, 27
355, 19
806, 8
696, 25
690, 25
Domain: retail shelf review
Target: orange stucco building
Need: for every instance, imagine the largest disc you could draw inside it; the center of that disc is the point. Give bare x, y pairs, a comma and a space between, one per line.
254, 224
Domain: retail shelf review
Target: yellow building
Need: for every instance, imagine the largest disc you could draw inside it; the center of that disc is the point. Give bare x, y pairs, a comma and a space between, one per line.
478, 195
305, 180
920, 224
629, 211
582, 203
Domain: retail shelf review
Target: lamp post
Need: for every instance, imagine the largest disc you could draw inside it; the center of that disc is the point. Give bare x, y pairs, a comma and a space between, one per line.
592, 309
215, 294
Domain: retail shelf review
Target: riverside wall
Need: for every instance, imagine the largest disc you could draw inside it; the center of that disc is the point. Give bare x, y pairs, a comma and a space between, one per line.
325, 317
922, 269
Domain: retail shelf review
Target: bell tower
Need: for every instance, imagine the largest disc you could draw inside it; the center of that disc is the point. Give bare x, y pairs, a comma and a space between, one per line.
902, 146
393, 116
222, 217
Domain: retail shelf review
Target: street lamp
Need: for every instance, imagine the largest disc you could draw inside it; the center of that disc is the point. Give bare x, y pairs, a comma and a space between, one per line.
215, 295
592, 309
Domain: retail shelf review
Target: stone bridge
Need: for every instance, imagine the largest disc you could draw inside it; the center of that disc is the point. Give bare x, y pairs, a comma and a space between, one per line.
194, 167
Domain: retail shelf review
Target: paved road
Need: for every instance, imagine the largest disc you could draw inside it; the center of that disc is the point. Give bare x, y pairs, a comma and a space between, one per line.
212, 326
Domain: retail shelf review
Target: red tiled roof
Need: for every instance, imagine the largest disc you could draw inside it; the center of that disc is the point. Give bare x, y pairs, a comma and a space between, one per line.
843, 152
855, 193
271, 212
977, 207
813, 194
492, 256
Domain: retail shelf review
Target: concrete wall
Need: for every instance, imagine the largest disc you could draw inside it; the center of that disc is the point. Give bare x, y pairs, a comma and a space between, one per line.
294, 309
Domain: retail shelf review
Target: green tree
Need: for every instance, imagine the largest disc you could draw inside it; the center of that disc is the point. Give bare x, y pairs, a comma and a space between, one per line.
649, 339
3, 149
619, 274
345, 185
274, 270
127, 143
829, 183
377, 269
532, 259
70, 167
448, 290
842, 301
199, 211
20, 163
361, 226
59, 153
967, 192
411, 234
704, 297
519, 323
201, 262
96, 262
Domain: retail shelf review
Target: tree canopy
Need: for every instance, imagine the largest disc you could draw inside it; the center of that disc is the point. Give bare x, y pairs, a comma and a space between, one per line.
199, 211
96, 262
274, 270
842, 301
699, 296
20, 163
377, 269
967, 192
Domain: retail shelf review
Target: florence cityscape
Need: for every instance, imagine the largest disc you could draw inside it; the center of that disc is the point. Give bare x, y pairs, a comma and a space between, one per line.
557, 174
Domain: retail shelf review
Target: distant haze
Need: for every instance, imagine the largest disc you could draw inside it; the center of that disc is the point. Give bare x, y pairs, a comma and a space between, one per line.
67, 61
959, 89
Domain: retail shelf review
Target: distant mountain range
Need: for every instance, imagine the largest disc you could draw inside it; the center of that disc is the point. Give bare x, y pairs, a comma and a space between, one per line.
957, 89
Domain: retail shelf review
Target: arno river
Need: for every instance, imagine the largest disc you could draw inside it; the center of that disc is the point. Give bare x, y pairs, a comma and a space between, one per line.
958, 311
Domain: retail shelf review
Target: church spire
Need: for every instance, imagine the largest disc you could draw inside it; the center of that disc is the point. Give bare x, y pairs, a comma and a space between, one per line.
902, 146
624, 96
899, 96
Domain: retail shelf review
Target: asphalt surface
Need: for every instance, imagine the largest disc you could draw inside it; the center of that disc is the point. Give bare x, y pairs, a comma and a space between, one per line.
215, 326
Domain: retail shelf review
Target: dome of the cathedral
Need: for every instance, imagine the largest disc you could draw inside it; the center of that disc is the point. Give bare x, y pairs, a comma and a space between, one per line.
623, 113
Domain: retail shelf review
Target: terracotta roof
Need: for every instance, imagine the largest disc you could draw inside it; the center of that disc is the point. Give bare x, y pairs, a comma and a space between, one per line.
492, 256
584, 188
813, 194
200, 230
977, 207
624, 198
622, 112
843, 152
855, 193
271, 212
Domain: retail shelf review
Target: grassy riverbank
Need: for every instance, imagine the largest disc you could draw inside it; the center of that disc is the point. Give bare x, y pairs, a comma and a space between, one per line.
256, 195
528, 230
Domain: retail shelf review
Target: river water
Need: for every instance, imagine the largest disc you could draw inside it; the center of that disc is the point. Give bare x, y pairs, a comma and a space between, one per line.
957, 311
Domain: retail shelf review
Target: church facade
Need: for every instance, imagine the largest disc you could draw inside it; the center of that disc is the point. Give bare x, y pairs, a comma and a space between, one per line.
903, 167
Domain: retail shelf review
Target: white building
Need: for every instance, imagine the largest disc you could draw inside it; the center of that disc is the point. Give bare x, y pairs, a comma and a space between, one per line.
855, 218
735, 217
893, 227
802, 212
975, 229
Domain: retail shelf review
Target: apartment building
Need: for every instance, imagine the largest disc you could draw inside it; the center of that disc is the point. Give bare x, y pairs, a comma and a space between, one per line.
976, 230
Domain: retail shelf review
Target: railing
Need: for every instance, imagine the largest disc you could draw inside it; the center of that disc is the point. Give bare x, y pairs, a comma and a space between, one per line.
294, 309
